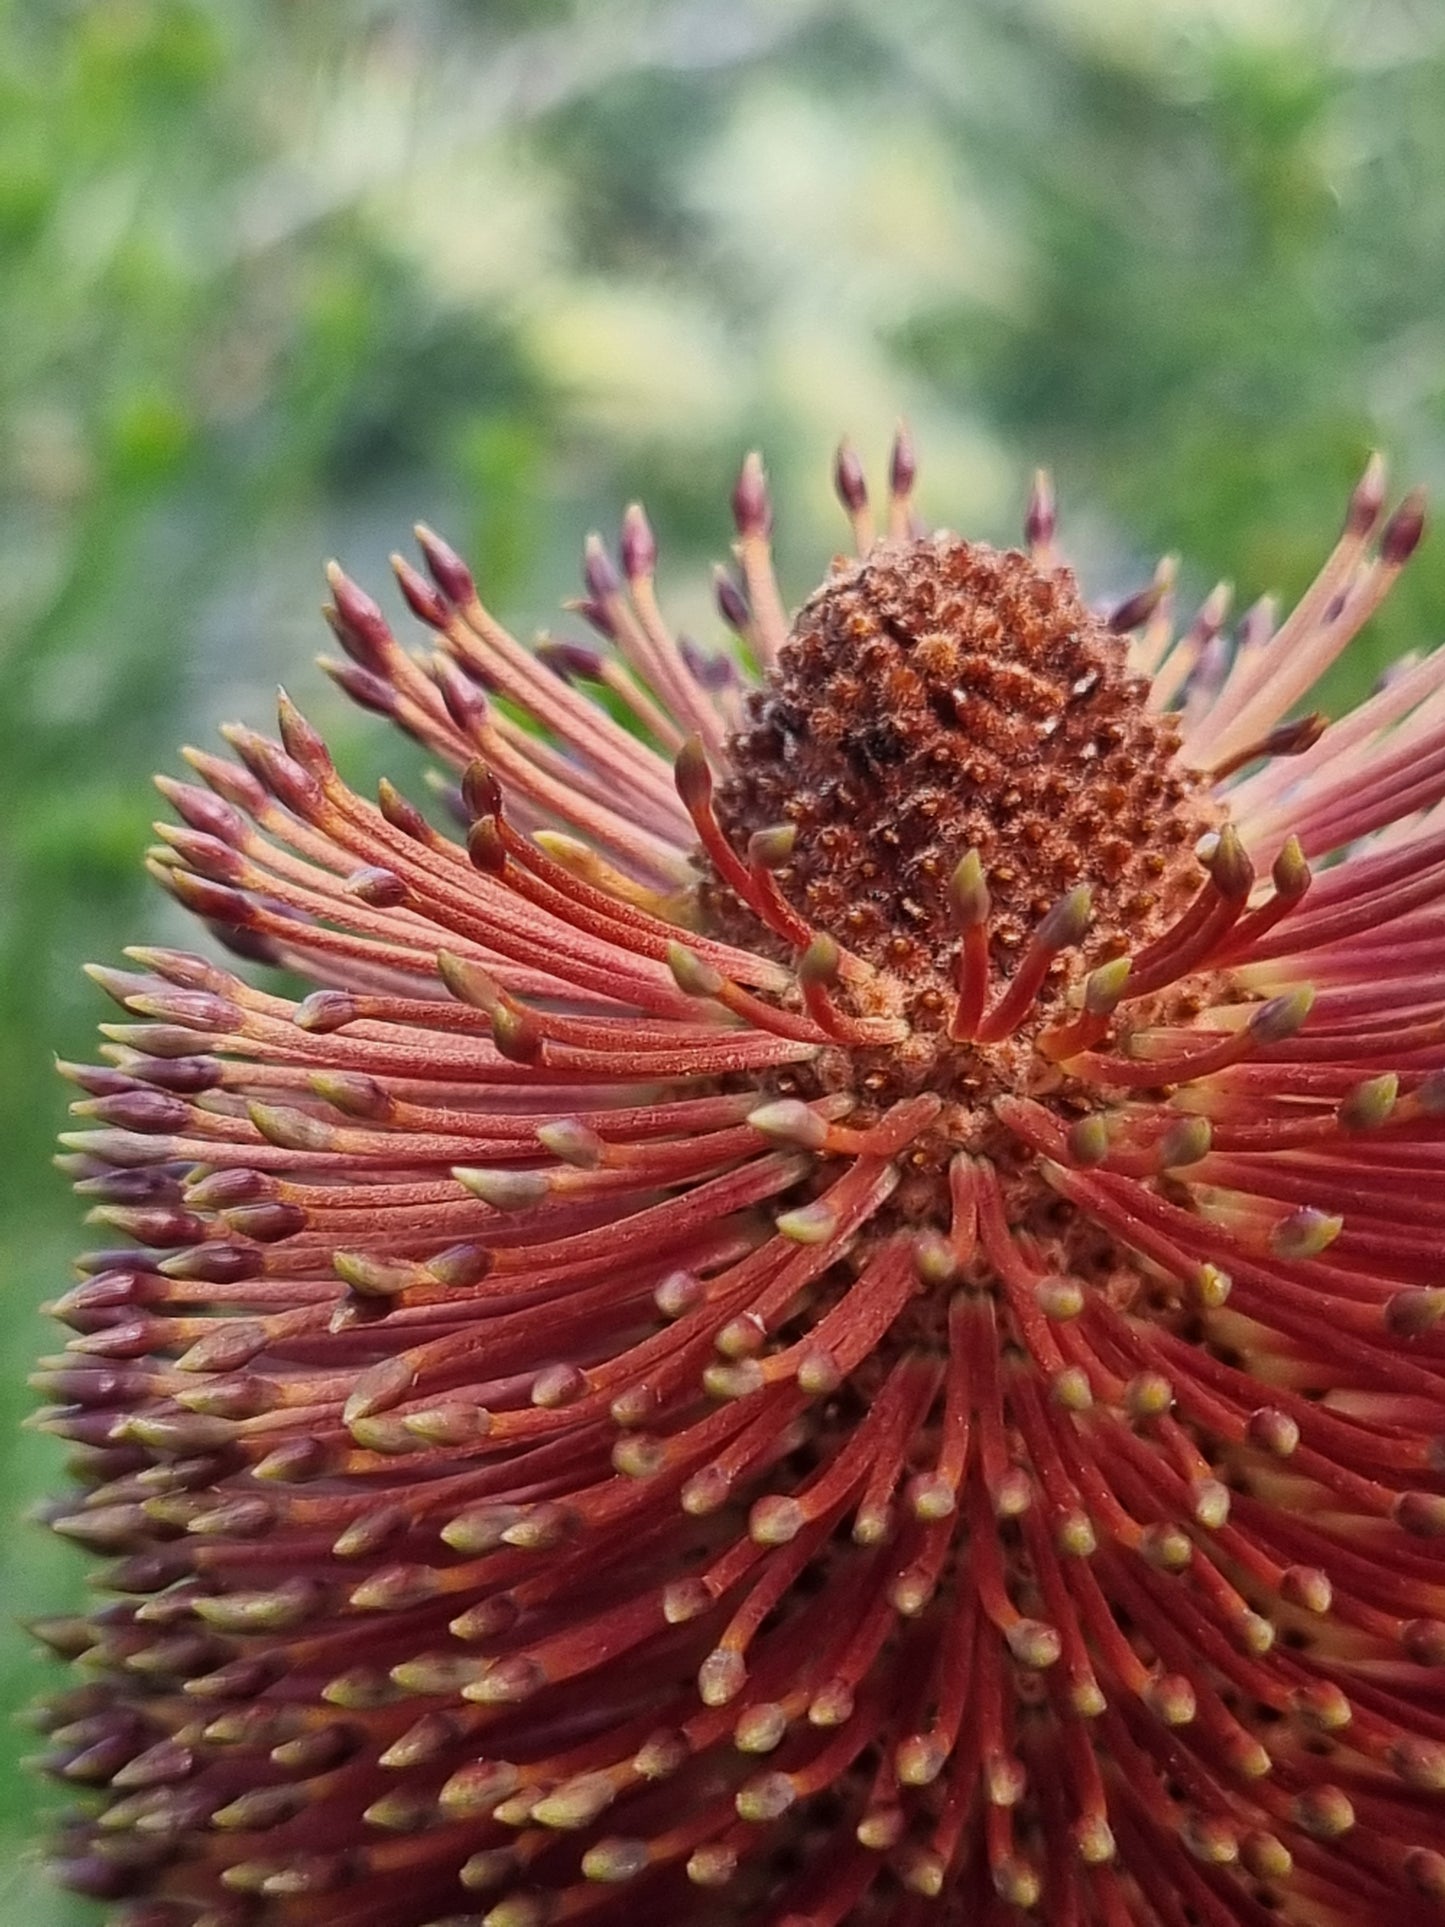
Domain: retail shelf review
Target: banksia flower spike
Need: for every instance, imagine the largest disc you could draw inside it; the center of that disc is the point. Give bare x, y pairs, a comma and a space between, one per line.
831, 1310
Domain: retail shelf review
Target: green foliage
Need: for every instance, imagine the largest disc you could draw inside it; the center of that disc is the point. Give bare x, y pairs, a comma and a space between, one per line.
276, 278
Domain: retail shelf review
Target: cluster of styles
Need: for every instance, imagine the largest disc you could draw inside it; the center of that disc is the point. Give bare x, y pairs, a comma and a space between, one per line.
828, 1314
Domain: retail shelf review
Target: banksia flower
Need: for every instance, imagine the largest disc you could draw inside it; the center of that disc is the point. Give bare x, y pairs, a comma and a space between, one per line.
830, 1311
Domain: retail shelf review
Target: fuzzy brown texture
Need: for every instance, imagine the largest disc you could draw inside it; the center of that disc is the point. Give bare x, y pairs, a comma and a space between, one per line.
942, 696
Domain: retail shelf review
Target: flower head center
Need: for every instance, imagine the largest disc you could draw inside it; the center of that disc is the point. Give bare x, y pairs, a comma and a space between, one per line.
942, 697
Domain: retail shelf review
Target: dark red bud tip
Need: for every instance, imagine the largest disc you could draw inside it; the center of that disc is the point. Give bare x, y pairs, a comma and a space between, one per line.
481, 792
401, 814
1423, 1641
849, 479
98, 1080
181, 967
213, 901
266, 1224
236, 785
86, 1303
1066, 923
752, 508
365, 689
1137, 608
1367, 500
215, 1264
712, 672
383, 889
352, 1092
250, 943
220, 1190
1296, 736
903, 463
447, 569
1229, 865
731, 603
122, 985
207, 855
1041, 517
360, 626
468, 982
571, 659
131, 1187
638, 545
692, 775
1422, 1514
286, 778
165, 1227
187, 1075
1403, 531
1425, 1870
460, 1265
96, 1876
202, 811
157, 1040
147, 1111
303, 743
516, 1034
324, 1011
485, 847
594, 615
465, 701
597, 571
420, 597
117, 1145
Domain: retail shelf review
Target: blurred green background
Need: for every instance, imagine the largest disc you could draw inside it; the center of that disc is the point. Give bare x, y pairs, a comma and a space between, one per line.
279, 276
